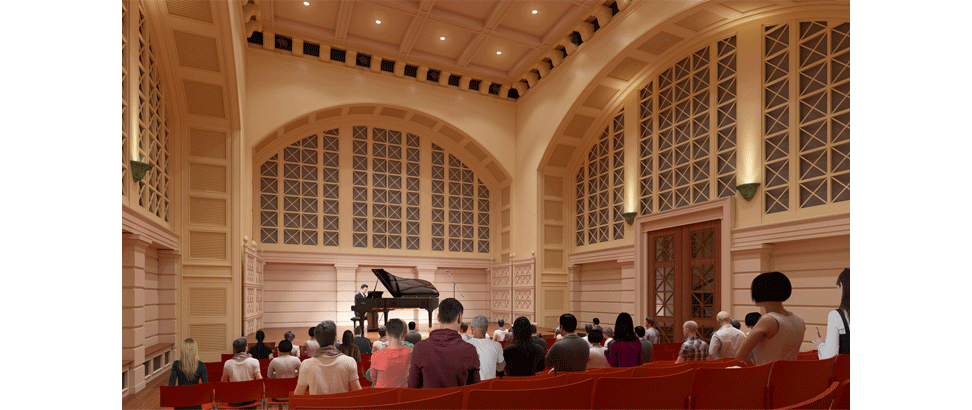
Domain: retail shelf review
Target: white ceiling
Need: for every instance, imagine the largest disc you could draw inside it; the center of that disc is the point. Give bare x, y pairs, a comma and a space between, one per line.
410, 30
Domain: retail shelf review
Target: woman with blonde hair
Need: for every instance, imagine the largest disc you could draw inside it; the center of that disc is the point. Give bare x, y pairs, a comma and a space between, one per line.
188, 369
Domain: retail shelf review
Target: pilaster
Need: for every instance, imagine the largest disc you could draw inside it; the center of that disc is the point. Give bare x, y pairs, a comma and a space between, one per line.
346, 274
133, 307
168, 274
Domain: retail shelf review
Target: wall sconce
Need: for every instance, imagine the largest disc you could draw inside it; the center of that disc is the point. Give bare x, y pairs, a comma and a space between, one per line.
139, 169
629, 217
748, 191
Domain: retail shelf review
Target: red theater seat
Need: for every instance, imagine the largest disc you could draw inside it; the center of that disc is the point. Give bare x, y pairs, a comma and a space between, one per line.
793, 381
668, 392
743, 388
185, 396
820, 401
546, 398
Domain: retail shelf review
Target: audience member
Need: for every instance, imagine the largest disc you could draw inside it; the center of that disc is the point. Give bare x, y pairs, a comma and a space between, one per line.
558, 335
241, 367
524, 356
779, 333
608, 336
389, 366
382, 341
329, 371
725, 341
499, 335
444, 359
364, 345
260, 351
285, 365
463, 331
625, 351
536, 337
751, 319
838, 322
490, 352
597, 322
651, 334
188, 369
587, 331
412, 336
693, 348
735, 324
646, 346
311, 345
348, 347
290, 337
597, 357
570, 354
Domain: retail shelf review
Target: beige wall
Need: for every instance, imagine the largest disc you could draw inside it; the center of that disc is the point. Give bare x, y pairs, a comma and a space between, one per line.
597, 291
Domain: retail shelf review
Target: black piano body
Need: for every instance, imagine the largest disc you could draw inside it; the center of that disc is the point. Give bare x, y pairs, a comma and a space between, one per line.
406, 294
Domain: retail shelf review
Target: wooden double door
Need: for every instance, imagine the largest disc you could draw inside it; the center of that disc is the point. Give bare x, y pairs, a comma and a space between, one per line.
684, 275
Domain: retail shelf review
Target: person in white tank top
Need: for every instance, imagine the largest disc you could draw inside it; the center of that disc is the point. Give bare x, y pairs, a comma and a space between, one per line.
779, 333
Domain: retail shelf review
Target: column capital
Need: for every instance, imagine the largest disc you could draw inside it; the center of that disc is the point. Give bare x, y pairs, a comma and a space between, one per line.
169, 255
134, 239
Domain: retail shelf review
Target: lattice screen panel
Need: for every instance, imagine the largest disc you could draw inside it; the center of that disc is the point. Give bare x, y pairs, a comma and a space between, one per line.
460, 206
126, 150
815, 57
394, 190
359, 190
688, 130
299, 193
599, 189
153, 129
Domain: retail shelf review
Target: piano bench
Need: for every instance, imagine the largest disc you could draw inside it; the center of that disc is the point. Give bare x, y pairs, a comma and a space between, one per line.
357, 321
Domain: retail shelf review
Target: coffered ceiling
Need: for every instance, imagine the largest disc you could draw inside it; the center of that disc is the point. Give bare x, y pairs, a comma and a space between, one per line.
496, 40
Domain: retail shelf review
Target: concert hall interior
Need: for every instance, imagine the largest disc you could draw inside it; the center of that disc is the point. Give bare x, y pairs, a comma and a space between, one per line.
530, 158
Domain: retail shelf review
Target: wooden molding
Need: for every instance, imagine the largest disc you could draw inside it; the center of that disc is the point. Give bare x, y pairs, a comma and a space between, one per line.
623, 254
824, 226
136, 223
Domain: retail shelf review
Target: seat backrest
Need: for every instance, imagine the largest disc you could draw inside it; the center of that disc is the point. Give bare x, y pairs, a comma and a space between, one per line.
743, 388
324, 401
185, 396
713, 364
408, 395
842, 396
820, 401
542, 398
452, 400
793, 381
574, 377
365, 357
842, 368
650, 371
214, 371
264, 363
239, 391
279, 387
515, 383
668, 392
225, 356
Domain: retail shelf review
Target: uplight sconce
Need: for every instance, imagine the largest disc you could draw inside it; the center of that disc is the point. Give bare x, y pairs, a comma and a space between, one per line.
139, 169
748, 191
629, 217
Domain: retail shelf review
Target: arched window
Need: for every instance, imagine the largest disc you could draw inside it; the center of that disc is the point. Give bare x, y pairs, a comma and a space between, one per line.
600, 188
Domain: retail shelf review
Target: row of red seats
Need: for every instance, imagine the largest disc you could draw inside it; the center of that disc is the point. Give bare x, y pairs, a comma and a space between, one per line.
780, 384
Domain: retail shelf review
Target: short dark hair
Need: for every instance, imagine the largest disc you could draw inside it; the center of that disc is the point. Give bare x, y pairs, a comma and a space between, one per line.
596, 321
449, 310
752, 318
595, 337
568, 323
310, 332
285, 346
365, 286
771, 287
640, 331
382, 331
735, 324
500, 322
260, 335
533, 329
411, 325
395, 328
239, 345
463, 327
650, 321
325, 333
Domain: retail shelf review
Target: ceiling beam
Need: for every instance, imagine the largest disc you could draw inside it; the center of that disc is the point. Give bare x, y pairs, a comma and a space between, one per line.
343, 19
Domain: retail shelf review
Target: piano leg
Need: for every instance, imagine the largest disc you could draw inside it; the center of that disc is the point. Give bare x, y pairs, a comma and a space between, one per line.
386, 316
430, 320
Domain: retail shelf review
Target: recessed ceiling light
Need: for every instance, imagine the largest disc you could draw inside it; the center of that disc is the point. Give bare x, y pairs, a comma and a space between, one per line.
441, 38
377, 21
307, 3
499, 52
534, 12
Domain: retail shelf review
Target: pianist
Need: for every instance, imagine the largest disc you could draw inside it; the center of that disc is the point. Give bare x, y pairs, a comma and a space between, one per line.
371, 317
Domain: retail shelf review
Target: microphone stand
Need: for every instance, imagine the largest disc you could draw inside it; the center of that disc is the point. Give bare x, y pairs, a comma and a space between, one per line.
454, 286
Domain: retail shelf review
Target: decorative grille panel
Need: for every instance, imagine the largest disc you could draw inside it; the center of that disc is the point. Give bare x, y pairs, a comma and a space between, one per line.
153, 128
688, 130
600, 188
460, 206
126, 150
814, 56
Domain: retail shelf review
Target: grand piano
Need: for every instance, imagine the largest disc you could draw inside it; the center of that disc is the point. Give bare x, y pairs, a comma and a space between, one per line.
407, 294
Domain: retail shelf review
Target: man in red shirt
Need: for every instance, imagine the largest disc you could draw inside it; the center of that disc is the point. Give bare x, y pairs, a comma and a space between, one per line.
444, 359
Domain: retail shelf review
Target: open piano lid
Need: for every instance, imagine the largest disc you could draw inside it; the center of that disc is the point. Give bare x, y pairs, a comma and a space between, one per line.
400, 287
